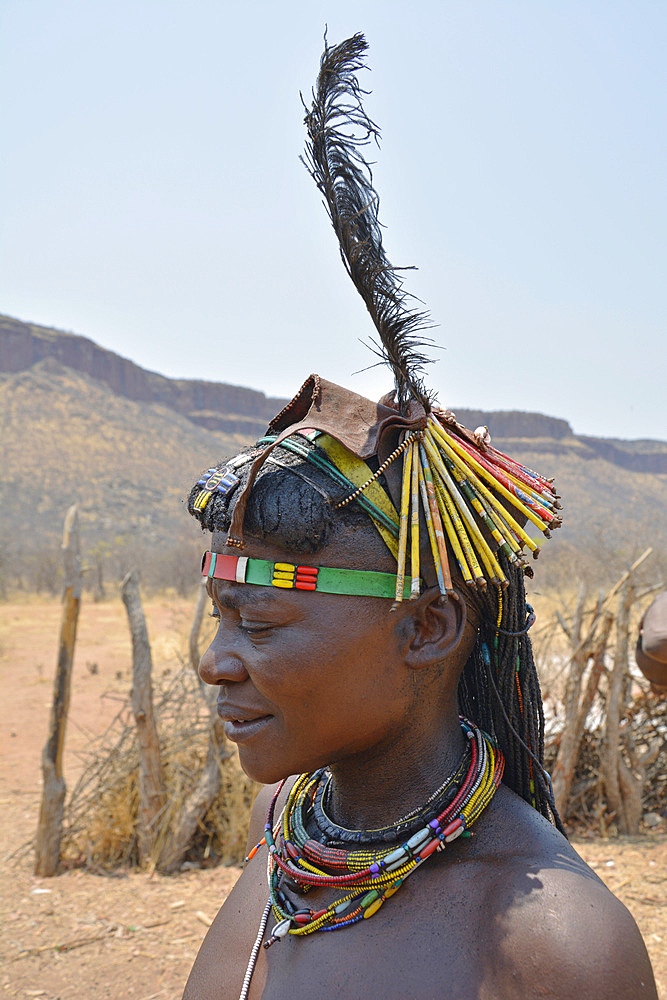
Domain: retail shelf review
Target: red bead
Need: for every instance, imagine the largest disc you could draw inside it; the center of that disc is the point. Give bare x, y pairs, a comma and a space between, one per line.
307, 570
429, 849
299, 585
452, 827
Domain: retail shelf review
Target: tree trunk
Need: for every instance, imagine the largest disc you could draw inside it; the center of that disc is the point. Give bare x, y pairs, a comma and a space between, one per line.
49, 830
597, 667
152, 796
631, 799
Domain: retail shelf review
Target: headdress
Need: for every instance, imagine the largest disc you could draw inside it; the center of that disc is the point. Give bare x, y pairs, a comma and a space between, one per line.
451, 499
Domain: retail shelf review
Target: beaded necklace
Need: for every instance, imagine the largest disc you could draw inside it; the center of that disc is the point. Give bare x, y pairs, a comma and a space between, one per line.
406, 825
373, 870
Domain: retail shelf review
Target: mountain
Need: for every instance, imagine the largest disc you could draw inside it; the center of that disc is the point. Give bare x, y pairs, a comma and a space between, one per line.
214, 405
79, 423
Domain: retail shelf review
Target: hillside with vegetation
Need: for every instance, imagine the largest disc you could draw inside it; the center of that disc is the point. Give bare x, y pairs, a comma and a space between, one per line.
80, 424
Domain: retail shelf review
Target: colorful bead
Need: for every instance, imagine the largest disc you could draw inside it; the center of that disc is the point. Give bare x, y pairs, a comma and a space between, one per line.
398, 855
215, 481
306, 578
429, 849
288, 576
449, 830
365, 873
417, 840
373, 908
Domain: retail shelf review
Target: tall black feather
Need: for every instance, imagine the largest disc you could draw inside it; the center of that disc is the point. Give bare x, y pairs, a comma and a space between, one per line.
338, 128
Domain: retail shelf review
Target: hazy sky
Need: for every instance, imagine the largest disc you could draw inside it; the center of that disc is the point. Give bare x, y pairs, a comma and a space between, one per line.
152, 197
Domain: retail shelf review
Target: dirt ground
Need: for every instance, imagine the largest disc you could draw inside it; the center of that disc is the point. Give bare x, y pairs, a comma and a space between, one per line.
82, 936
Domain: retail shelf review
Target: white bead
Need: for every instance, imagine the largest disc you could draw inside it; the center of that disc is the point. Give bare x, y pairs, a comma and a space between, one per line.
281, 929
396, 864
419, 838
397, 855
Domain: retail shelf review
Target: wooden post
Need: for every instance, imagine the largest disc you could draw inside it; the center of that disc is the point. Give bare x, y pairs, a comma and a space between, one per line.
209, 693
152, 794
203, 795
614, 769
49, 830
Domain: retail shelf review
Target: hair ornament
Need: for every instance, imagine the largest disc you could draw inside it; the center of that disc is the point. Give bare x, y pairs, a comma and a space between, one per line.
216, 480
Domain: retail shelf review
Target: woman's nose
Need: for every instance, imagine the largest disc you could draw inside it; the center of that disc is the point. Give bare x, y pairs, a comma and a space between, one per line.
219, 663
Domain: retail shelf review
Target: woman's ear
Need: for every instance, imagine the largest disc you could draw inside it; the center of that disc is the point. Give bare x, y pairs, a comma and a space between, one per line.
438, 625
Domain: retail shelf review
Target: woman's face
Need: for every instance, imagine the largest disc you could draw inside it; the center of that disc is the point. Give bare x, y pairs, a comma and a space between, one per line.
307, 679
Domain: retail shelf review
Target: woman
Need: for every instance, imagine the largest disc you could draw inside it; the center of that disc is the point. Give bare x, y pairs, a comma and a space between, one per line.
374, 668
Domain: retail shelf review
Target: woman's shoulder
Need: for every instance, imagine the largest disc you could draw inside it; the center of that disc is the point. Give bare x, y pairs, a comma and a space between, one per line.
548, 910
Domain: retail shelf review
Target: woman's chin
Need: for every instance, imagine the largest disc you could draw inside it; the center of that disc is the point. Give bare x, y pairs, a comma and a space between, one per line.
266, 772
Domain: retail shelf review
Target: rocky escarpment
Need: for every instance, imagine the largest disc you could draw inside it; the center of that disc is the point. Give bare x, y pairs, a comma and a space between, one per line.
22, 345
236, 411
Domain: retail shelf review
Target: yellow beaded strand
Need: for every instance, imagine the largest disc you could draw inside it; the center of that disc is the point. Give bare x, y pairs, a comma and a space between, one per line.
415, 582
403, 527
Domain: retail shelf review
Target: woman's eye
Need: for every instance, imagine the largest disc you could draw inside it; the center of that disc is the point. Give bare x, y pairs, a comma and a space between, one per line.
254, 629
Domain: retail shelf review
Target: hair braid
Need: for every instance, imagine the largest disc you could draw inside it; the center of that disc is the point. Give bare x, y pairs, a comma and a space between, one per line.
500, 691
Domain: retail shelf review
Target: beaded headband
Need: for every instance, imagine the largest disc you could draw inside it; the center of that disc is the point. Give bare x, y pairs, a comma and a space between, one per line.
288, 576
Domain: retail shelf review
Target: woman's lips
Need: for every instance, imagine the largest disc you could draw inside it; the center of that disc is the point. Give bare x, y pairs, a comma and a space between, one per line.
239, 730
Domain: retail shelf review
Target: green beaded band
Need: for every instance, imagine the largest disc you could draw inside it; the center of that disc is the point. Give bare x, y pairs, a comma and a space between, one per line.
288, 576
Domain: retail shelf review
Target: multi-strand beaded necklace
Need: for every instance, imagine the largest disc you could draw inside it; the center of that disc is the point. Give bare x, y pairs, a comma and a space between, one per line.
307, 849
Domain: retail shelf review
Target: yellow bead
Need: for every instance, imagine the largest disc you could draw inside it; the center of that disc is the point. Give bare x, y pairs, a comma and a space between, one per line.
373, 908
289, 567
285, 584
394, 887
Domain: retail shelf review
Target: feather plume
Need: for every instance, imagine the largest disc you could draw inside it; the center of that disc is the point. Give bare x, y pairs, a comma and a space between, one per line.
338, 129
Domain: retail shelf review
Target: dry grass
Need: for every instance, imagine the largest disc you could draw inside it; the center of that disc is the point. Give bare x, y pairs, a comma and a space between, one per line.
101, 817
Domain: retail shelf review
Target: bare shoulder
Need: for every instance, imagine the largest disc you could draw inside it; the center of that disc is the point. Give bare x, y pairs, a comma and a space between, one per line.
564, 933
217, 973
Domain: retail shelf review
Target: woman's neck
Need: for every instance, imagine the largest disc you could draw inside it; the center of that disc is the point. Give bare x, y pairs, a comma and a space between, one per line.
376, 789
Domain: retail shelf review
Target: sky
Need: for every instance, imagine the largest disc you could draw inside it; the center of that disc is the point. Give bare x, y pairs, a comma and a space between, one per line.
152, 197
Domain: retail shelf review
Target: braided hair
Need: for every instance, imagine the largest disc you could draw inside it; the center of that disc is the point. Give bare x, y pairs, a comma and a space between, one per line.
500, 691
292, 504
